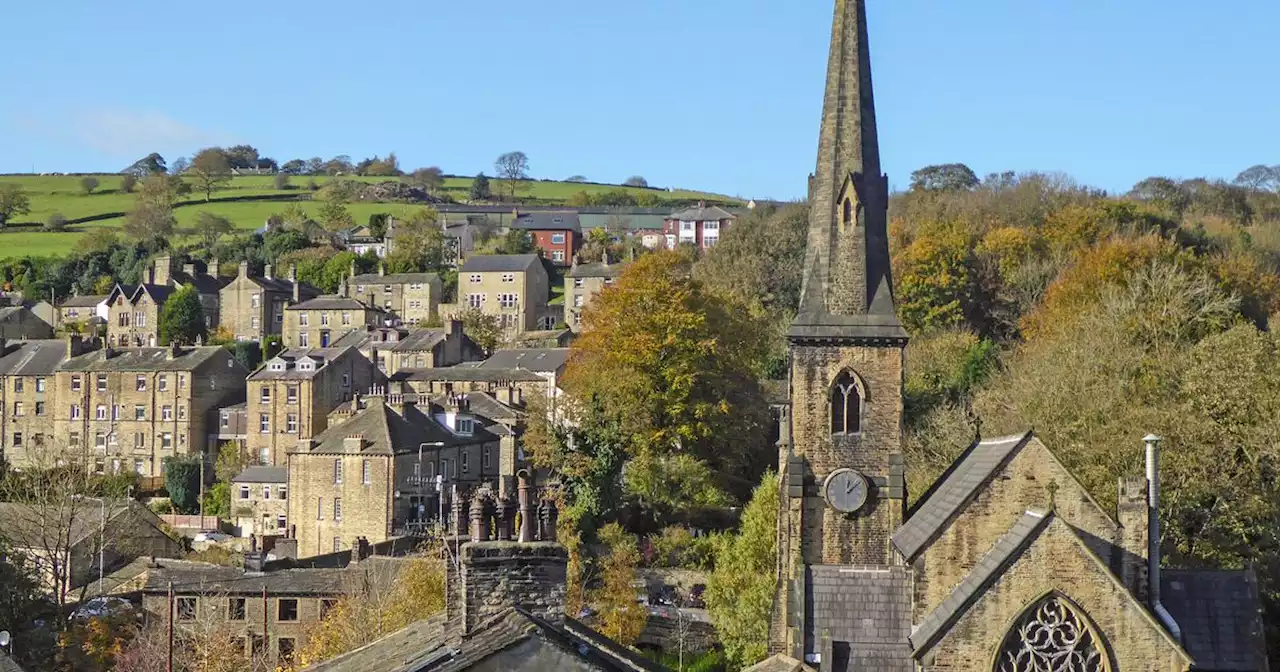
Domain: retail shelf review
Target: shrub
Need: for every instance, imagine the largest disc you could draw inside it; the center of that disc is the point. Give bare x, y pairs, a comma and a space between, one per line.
88, 184
127, 183
282, 182
56, 222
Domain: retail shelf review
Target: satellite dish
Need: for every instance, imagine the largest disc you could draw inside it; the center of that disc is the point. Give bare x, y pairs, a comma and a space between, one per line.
4, 638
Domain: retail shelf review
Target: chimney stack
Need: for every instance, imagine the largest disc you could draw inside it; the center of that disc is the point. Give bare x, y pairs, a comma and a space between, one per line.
189, 270
213, 267
528, 527
244, 269
162, 271
266, 273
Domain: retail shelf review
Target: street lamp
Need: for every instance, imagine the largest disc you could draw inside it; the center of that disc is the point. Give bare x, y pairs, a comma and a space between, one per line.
421, 446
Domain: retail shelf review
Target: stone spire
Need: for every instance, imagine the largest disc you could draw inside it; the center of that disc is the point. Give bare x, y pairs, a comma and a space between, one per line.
848, 288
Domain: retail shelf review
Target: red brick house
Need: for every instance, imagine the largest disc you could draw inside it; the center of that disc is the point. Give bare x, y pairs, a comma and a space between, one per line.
557, 234
700, 226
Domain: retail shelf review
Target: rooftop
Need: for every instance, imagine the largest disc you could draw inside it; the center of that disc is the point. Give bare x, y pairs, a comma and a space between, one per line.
702, 214
489, 263
86, 301
298, 364
32, 358
331, 302
384, 430
467, 374
394, 279
595, 270
261, 474
183, 358
548, 221
541, 360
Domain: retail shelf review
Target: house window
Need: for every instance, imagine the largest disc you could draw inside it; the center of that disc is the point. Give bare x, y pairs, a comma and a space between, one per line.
113, 438
577, 282
557, 239
366, 472
140, 383
182, 411
303, 319
475, 277
291, 423
187, 608
444, 468
235, 609
508, 277
346, 380
255, 300
139, 440
303, 340
475, 300
281, 522
264, 423
287, 609
686, 227
17, 408
74, 438
100, 413
291, 394
557, 255
846, 405
466, 464
324, 319
139, 412
162, 383
102, 383
39, 384
710, 226
166, 440
18, 384
75, 411
100, 440
466, 425
244, 492
266, 492
346, 318
337, 471
508, 300
282, 492
139, 468
578, 300
166, 413
75, 383
1051, 635
265, 395
115, 412
17, 439
254, 323
337, 508
182, 381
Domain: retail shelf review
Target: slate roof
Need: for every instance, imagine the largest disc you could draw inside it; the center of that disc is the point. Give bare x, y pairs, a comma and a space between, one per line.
1023, 532
952, 490
485, 405
489, 263
1219, 613
595, 270
702, 214
87, 301
779, 663
468, 374
158, 293
203, 282
394, 279
420, 339
387, 432
7, 664
205, 578
26, 524
32, 358
424, 646
869, 607
548, 221
326, 356
332, 303
261, 474
145, 359
542, 360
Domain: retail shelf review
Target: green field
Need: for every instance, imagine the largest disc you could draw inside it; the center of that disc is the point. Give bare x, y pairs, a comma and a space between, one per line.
62, 193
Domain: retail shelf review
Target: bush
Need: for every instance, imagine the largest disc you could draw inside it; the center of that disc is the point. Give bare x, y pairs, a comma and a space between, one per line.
312, 185
282, 182
676, 546
88, 184
56, 222
161, 507
127, 183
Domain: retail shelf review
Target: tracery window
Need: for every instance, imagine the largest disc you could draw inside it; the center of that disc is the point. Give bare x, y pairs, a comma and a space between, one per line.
846, 405
1051, 637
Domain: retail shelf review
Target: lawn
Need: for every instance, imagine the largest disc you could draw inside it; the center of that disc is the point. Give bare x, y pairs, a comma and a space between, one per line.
62, 193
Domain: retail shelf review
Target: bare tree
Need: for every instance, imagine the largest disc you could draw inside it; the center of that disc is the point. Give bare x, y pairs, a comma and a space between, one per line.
512, 167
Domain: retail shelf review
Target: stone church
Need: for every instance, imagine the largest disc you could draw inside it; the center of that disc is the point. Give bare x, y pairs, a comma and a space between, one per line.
1006, 563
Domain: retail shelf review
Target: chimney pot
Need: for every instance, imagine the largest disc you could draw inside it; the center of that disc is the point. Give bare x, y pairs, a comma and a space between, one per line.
266, 273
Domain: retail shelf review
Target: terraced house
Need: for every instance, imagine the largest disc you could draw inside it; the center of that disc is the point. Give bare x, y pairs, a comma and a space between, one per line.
131, 409
412, 297
513, 287
253, 306
28, 395
320, 322
581, 284
291, 396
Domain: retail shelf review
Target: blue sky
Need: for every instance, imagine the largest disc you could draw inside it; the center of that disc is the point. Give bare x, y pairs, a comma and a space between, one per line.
721, 95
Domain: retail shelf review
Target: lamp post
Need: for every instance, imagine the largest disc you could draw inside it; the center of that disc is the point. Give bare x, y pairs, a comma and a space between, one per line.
421, 446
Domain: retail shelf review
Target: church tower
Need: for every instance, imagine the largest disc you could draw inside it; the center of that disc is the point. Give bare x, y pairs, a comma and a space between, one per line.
843, 492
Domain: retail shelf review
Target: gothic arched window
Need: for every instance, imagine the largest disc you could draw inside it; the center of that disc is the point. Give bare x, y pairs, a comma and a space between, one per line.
846, 405
1052, 635
848, 214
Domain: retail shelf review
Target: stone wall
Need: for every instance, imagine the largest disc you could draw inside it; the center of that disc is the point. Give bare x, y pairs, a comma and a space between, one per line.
500, 574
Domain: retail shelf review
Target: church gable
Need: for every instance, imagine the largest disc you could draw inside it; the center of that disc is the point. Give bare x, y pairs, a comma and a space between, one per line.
1040, 583
977, 501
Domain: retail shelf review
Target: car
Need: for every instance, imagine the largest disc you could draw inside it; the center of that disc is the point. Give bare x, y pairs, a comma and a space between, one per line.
101, 606
212, 537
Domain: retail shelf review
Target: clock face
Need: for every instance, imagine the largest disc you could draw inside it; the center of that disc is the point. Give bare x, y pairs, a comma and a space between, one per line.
845, 490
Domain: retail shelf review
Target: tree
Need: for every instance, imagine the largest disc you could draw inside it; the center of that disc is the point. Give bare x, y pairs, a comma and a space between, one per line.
334, 216
576, 178
419, 244
622, 617
151, 164
294, 167
485, 330
179, 165
636, 181
88, 184
945, 177
240, 157
740, 591
760, 258
210, 169
512, 167
431, 179
127, 183
339, 165
182, 481
281, 181
22, 605
480, 188
152, 213
516, 241
210, 227
182, 318
56, 222
1259, 178
1163, 192
13, 201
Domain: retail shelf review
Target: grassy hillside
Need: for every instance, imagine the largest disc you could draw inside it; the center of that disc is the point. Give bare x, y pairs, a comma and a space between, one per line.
62, 194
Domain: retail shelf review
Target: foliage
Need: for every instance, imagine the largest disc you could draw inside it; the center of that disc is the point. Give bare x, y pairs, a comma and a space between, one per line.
622, 617
151, 164
182, 318
676, 546
419, 244
246, 352
704, 661
516, 241
588, 457
56, 222
22, 605
431, 179
740, 590
217, 500
670, 484
636, 181
480, 190
210, 227
281, 182
128, 183
211, 169
378, 606
485, 330
182, 481
88, 184
512, 167
946, 177
13, 201
334, 216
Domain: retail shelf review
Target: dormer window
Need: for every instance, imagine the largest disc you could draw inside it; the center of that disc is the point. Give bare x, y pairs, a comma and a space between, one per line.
277, 366
466, 426
846, 405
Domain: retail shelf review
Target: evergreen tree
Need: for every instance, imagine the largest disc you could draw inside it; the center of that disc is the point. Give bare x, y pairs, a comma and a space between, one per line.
480, 188
182, 318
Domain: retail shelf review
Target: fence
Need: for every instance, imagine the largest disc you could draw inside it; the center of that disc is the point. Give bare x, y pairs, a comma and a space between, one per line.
178, 521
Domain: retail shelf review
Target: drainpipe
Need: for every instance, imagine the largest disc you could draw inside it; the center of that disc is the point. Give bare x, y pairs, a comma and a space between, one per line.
1153, 536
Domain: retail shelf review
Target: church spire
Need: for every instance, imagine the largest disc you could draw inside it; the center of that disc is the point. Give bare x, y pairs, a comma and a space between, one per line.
848, 286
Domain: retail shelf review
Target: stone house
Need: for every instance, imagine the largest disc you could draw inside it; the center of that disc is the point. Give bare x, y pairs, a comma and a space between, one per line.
133, 314
321, 321
253, 306
81, 309
557, 234
74, 535
581, 284
395, 348
132, 409
700, 226
513, 287
292, 394
29, 399
19, 322
1005, 562
548, 363
260, 501
373, 475
208, 286
412, 297
233, 426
